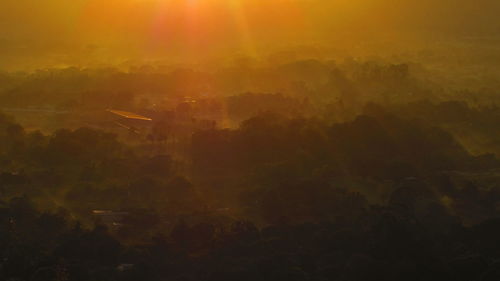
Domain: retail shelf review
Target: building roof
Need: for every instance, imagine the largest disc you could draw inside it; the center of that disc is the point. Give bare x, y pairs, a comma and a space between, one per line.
129, 115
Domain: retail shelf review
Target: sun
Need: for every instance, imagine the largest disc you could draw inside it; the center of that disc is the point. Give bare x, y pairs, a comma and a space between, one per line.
191, 27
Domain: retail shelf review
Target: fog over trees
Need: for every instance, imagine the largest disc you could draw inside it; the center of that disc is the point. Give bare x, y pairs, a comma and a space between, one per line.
249, 140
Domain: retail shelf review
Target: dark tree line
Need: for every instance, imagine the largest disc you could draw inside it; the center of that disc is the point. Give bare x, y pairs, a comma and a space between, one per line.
393, 193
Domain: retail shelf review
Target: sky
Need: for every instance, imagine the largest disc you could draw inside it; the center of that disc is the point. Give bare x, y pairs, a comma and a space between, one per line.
52, 33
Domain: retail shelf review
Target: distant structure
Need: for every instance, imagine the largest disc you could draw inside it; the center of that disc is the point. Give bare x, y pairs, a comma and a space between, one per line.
129, 115
134, 123
110, 218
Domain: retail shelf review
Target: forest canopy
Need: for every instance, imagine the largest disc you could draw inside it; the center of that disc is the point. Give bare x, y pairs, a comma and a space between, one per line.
221, 140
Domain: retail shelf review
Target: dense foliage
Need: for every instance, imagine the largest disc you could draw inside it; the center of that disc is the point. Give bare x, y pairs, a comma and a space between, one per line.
317, 171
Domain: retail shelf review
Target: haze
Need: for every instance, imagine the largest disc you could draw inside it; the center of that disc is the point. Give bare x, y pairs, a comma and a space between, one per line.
55, 33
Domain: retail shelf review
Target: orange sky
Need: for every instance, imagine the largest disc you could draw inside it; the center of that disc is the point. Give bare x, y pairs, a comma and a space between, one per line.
53, 32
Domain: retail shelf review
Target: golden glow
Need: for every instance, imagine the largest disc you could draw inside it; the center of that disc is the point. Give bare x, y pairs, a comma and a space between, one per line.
80, 31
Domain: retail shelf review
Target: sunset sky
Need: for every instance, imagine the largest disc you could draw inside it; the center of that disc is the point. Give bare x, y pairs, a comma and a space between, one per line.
61, 32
